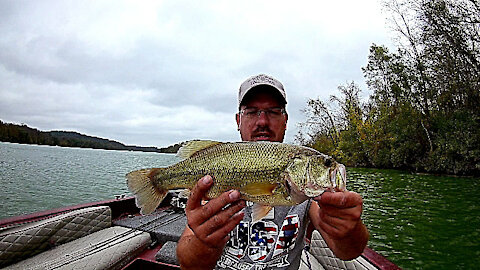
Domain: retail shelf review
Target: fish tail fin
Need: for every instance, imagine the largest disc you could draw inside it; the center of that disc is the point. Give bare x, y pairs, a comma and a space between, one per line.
148, 195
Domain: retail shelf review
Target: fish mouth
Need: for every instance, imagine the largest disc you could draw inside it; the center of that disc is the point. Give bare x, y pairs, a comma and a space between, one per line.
338, 178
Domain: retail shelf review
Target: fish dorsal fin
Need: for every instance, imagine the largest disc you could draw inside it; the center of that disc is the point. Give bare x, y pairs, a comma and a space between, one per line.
259, 211
192, 147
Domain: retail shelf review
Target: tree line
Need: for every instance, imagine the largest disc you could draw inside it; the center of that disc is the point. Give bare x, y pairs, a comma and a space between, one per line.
27, 135
424, 110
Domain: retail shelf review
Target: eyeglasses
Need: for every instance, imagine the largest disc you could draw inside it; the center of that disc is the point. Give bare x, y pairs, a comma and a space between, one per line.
271, 113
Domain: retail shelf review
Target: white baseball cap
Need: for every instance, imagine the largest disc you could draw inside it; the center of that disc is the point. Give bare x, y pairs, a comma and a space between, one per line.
258, 80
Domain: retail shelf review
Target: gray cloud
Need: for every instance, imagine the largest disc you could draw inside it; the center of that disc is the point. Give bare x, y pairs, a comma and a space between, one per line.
163, 72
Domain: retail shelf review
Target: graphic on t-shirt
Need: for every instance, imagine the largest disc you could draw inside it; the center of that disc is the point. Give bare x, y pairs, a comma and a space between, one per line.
256, 241
262, 238
239, 240
288, 235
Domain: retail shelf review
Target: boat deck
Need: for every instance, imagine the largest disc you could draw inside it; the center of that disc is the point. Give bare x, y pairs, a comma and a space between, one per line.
164, 228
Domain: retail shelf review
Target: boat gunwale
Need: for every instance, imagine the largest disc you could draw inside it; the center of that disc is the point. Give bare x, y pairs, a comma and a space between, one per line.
126, 206
118, 206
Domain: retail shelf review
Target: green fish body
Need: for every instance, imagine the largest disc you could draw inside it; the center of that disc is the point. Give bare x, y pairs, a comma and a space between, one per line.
267, 173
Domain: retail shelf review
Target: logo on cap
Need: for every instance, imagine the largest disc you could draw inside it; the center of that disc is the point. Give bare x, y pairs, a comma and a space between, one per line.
257, 80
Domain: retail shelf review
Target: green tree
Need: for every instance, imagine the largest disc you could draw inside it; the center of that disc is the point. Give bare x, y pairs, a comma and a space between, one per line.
423, 113
336, 127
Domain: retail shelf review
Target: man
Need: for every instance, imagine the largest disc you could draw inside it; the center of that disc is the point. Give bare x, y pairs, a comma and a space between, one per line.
220, 234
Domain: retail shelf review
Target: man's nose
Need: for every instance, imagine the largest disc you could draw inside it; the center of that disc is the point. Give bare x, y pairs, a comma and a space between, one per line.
262, 118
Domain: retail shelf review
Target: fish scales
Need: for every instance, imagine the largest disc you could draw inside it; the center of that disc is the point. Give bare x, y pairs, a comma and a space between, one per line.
233, 165
264, 172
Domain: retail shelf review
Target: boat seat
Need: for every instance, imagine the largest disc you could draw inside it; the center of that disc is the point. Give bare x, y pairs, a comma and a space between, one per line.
29, 239
80, 239
168, 253
110, 248
325, 256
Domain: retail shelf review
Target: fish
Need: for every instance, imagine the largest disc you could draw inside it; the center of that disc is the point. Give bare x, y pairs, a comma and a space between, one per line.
266, 173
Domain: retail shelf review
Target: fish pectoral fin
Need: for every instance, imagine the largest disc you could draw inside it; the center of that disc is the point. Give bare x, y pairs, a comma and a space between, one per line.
259, 211
257, 189
190, 148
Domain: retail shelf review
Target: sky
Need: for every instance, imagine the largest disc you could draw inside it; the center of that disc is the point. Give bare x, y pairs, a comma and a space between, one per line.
155, 73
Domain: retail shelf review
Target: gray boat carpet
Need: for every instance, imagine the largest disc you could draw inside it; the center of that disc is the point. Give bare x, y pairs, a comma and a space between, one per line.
164, 225
168, 253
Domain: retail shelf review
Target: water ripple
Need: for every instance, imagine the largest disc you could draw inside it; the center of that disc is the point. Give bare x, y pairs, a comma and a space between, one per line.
417, 221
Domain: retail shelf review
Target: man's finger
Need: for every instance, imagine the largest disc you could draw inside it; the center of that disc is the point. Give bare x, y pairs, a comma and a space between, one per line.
222, 233
329, 229
345, 199
351, 213
333, 221
218, 220
217, 226
198, 192
216, 205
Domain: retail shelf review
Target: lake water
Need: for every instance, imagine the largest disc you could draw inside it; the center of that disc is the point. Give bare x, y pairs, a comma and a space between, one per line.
417, 221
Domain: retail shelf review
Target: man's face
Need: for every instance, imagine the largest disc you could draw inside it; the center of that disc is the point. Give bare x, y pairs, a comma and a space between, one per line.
263, 127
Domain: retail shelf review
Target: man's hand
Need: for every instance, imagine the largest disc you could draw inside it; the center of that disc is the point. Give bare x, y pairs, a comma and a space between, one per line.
209, 226
337, 216
339, 213
209, 222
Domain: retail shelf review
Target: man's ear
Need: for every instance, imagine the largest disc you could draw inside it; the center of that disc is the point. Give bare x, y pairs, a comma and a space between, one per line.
237, 118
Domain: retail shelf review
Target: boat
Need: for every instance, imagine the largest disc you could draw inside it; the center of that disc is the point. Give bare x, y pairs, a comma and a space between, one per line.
112, 234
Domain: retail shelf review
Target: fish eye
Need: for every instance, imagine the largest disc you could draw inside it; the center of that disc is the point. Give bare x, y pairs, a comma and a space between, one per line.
328, 162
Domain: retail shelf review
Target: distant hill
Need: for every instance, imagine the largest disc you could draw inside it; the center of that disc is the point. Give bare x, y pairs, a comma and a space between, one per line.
27, 135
